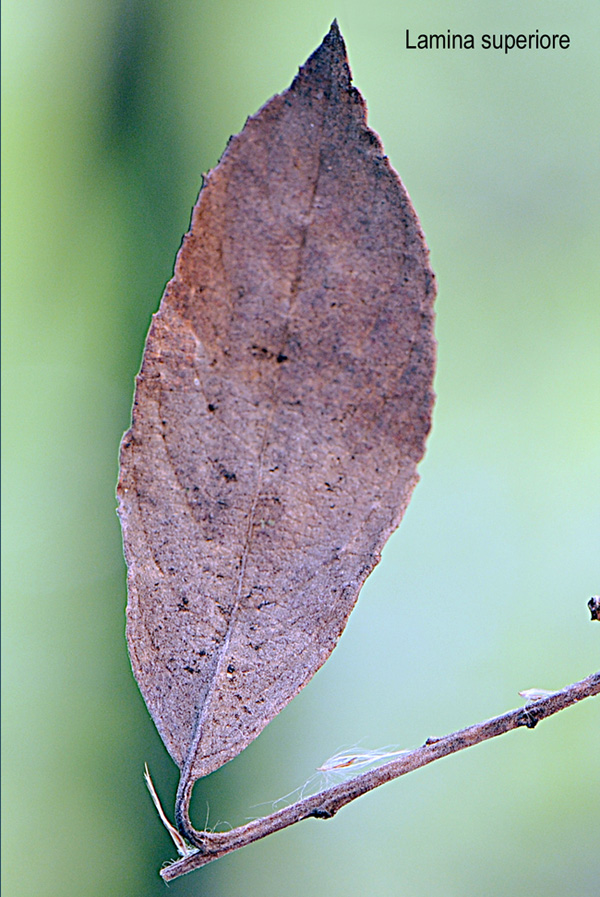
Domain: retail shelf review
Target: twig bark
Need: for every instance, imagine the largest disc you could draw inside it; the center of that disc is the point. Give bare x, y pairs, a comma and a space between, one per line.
325, 804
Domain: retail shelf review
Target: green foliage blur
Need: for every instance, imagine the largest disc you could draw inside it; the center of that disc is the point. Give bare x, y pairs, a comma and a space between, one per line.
111, 112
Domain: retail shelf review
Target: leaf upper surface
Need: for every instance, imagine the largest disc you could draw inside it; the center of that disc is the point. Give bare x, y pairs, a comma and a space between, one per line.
281, 409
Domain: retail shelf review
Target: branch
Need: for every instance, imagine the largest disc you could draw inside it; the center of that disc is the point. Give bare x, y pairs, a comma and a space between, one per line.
325, 804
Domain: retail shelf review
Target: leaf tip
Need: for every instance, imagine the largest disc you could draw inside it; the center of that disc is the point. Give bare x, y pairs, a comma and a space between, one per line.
334, 37
327, 64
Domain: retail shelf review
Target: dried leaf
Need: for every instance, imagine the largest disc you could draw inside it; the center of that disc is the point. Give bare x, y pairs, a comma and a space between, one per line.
281, 409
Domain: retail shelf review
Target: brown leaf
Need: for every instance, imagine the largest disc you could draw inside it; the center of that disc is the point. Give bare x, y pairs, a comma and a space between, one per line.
281, 409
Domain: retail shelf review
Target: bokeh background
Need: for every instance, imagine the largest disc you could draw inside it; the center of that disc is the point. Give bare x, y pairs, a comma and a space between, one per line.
111, 112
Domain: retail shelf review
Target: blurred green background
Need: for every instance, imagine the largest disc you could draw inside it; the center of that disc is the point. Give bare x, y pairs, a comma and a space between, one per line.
111, 112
